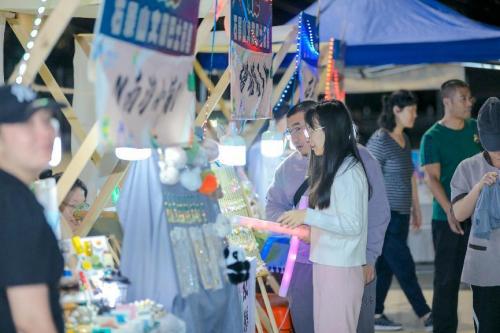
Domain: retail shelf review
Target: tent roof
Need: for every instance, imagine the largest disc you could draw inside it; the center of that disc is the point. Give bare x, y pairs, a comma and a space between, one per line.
405, 32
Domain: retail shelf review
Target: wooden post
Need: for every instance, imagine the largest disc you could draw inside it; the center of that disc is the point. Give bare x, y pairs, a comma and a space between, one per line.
85, 40
77, 164
47, 38
262, 315
258, 324
213, 99
102, 199
267, 303
210, 87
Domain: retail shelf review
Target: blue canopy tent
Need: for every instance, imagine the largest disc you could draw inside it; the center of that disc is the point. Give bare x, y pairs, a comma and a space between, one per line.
398, 32
378, 32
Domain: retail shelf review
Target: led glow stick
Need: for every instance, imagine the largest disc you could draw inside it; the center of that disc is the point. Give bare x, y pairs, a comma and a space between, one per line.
290, 263
292, 255
250, 222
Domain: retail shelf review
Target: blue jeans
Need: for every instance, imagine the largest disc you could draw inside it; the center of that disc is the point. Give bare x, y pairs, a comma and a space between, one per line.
396, 260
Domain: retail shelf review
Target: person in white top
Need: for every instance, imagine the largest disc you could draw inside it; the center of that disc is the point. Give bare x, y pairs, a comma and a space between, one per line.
338, 201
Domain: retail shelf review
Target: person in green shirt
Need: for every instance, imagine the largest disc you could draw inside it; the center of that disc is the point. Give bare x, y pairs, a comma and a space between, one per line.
447, 143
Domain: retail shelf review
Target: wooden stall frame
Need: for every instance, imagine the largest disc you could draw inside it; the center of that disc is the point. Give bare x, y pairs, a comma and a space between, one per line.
48, 36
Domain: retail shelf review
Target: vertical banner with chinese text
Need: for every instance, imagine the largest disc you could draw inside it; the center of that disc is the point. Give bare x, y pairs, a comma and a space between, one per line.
251, 59
308, 56
247, 295
143, 55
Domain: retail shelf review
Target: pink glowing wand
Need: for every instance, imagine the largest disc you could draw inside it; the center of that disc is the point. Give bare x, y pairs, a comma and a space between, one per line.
254, 223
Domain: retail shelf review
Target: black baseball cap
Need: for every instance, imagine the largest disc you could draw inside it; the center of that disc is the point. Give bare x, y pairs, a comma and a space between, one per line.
18, 103
488, 123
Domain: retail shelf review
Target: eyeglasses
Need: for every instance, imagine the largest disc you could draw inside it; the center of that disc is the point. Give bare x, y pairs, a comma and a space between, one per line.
289, 132
77, 208
307, 131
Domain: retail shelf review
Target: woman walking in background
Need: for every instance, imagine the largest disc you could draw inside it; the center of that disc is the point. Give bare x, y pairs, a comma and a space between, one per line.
391, 147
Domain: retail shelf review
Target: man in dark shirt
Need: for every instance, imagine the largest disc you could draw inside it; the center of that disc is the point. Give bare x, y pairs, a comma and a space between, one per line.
447, 143
30, 261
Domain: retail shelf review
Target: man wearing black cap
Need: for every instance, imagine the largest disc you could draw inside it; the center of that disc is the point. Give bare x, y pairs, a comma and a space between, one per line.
475, 192
30, 261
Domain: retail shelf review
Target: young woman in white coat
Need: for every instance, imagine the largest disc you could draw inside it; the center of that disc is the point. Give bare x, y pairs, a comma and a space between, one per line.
338, 201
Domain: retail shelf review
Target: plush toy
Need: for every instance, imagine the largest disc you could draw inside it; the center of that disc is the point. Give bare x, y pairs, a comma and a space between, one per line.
191, 179
169, 175
209, 184
237, 267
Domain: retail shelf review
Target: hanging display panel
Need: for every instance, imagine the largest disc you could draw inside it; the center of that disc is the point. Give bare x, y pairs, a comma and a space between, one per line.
251, 59
143, 55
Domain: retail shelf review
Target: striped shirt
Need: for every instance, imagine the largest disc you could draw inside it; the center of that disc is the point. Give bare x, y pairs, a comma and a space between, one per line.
397, 168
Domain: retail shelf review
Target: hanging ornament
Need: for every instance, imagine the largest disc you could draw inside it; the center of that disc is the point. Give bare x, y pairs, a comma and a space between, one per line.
209, 184
175, 156
191, 179
169, 175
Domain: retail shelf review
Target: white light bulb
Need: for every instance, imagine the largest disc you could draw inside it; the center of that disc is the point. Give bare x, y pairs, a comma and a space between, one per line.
132, 154
232, 150
34, 33
38, 21
30, 44
271, 144
19, 79
26, 56
41, 10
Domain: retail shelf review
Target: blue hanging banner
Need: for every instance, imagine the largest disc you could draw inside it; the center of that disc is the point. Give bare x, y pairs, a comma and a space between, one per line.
251, 59
167, 26
308, 56
143, 56
251, 24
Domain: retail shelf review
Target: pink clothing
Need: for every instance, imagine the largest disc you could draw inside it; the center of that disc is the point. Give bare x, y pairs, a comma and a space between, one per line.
338, 294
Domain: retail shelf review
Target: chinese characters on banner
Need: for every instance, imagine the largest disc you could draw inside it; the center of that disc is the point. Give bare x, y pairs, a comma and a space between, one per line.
247, 294
143, 55
251, 58
308, 56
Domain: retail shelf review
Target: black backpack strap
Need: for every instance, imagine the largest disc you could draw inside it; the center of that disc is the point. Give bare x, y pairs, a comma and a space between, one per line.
300, 192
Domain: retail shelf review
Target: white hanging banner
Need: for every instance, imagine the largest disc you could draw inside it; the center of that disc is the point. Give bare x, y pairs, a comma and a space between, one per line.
251, 59
309, 79
251, 84
247, 294
143, 55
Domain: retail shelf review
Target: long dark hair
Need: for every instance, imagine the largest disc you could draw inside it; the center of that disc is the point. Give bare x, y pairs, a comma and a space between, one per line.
401, 99
340, 143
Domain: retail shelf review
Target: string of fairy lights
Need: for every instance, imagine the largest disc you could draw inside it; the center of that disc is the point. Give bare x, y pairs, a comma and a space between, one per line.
310, 46
37, 22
